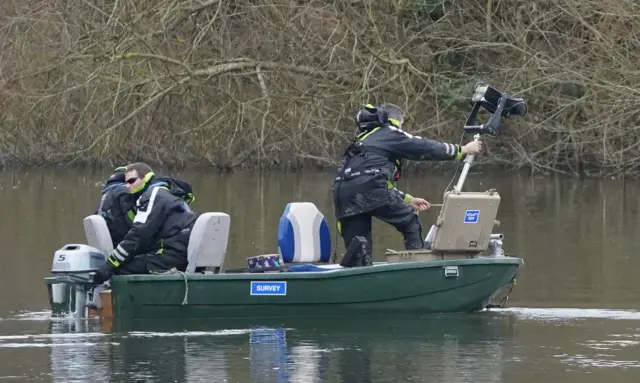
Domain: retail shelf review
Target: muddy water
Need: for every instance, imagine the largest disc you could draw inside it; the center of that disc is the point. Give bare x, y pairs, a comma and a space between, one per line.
571, 317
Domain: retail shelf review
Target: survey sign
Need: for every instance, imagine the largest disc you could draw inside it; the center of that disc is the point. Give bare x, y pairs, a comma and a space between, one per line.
268, 288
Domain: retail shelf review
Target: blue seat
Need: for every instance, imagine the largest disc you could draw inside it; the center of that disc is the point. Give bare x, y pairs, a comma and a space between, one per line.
303, 234
307, 267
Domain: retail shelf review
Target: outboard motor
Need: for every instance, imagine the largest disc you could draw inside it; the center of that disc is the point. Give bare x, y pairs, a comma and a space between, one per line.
73, 267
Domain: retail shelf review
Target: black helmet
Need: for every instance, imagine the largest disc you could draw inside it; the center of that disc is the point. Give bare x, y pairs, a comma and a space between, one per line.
117, 177
395, 115
370, 117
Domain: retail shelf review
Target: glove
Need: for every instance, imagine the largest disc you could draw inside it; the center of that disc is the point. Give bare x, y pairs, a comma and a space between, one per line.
103, 274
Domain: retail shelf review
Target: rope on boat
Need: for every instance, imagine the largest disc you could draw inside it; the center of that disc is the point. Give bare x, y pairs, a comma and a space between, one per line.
173, 270
186, 287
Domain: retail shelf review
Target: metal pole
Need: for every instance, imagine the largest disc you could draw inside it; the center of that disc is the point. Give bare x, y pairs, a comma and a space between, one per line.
467, 164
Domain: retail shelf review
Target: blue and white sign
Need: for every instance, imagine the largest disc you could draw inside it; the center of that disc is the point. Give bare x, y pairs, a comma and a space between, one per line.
471, 216
268, 288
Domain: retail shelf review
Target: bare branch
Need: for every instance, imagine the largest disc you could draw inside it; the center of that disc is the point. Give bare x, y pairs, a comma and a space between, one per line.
272, 83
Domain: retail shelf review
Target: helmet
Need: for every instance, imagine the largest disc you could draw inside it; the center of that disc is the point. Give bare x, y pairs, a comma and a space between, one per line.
116, 177
395, 115
369, 117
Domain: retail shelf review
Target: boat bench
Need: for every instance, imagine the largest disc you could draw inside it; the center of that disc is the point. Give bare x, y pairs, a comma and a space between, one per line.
207, 247
304, 240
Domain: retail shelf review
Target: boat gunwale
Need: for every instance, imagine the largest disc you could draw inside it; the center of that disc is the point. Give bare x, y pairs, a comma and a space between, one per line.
292, 275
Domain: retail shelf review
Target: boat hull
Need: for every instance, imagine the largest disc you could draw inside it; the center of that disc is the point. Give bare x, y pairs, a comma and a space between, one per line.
390, 288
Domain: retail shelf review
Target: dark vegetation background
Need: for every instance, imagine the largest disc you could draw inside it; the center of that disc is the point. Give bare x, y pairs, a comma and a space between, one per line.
276, 83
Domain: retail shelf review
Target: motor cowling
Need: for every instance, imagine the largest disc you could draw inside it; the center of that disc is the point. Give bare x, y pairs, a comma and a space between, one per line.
72, 268
77, 259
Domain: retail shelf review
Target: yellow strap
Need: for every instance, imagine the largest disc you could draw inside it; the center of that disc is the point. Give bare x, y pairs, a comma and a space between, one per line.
394, 122
368, 134
459, 155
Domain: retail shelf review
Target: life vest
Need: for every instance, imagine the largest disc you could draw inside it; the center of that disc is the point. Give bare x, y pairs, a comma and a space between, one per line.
356, 148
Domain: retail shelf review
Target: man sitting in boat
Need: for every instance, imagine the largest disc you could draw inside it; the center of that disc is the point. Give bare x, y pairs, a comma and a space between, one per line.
159, 236
364, 183
117, 206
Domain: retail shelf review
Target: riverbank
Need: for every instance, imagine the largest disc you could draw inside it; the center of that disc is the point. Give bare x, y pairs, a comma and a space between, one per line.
276, 85
412, 171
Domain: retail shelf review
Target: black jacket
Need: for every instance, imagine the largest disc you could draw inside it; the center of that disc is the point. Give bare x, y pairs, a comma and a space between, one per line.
117, 207
161, 227
370, 165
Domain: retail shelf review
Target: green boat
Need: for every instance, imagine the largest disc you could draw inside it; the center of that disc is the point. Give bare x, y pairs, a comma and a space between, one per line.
463, 268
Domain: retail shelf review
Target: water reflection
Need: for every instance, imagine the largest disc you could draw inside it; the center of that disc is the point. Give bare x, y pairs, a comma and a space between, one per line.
78, 351
516, 344
202, 364
268, 353
448, 348
272, 359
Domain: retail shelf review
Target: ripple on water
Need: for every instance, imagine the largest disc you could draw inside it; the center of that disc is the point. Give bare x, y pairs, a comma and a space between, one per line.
584, 361
565, 314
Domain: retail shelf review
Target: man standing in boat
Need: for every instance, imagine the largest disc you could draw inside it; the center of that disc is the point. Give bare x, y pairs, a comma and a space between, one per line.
364, 184
117, 206
159, 236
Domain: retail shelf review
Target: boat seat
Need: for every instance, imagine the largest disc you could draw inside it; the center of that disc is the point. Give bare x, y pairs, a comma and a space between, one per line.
308, 267
208, 242
97, 233
303, 234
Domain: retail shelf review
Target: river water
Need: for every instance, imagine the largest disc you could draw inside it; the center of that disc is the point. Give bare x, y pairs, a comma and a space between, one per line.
571, 317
